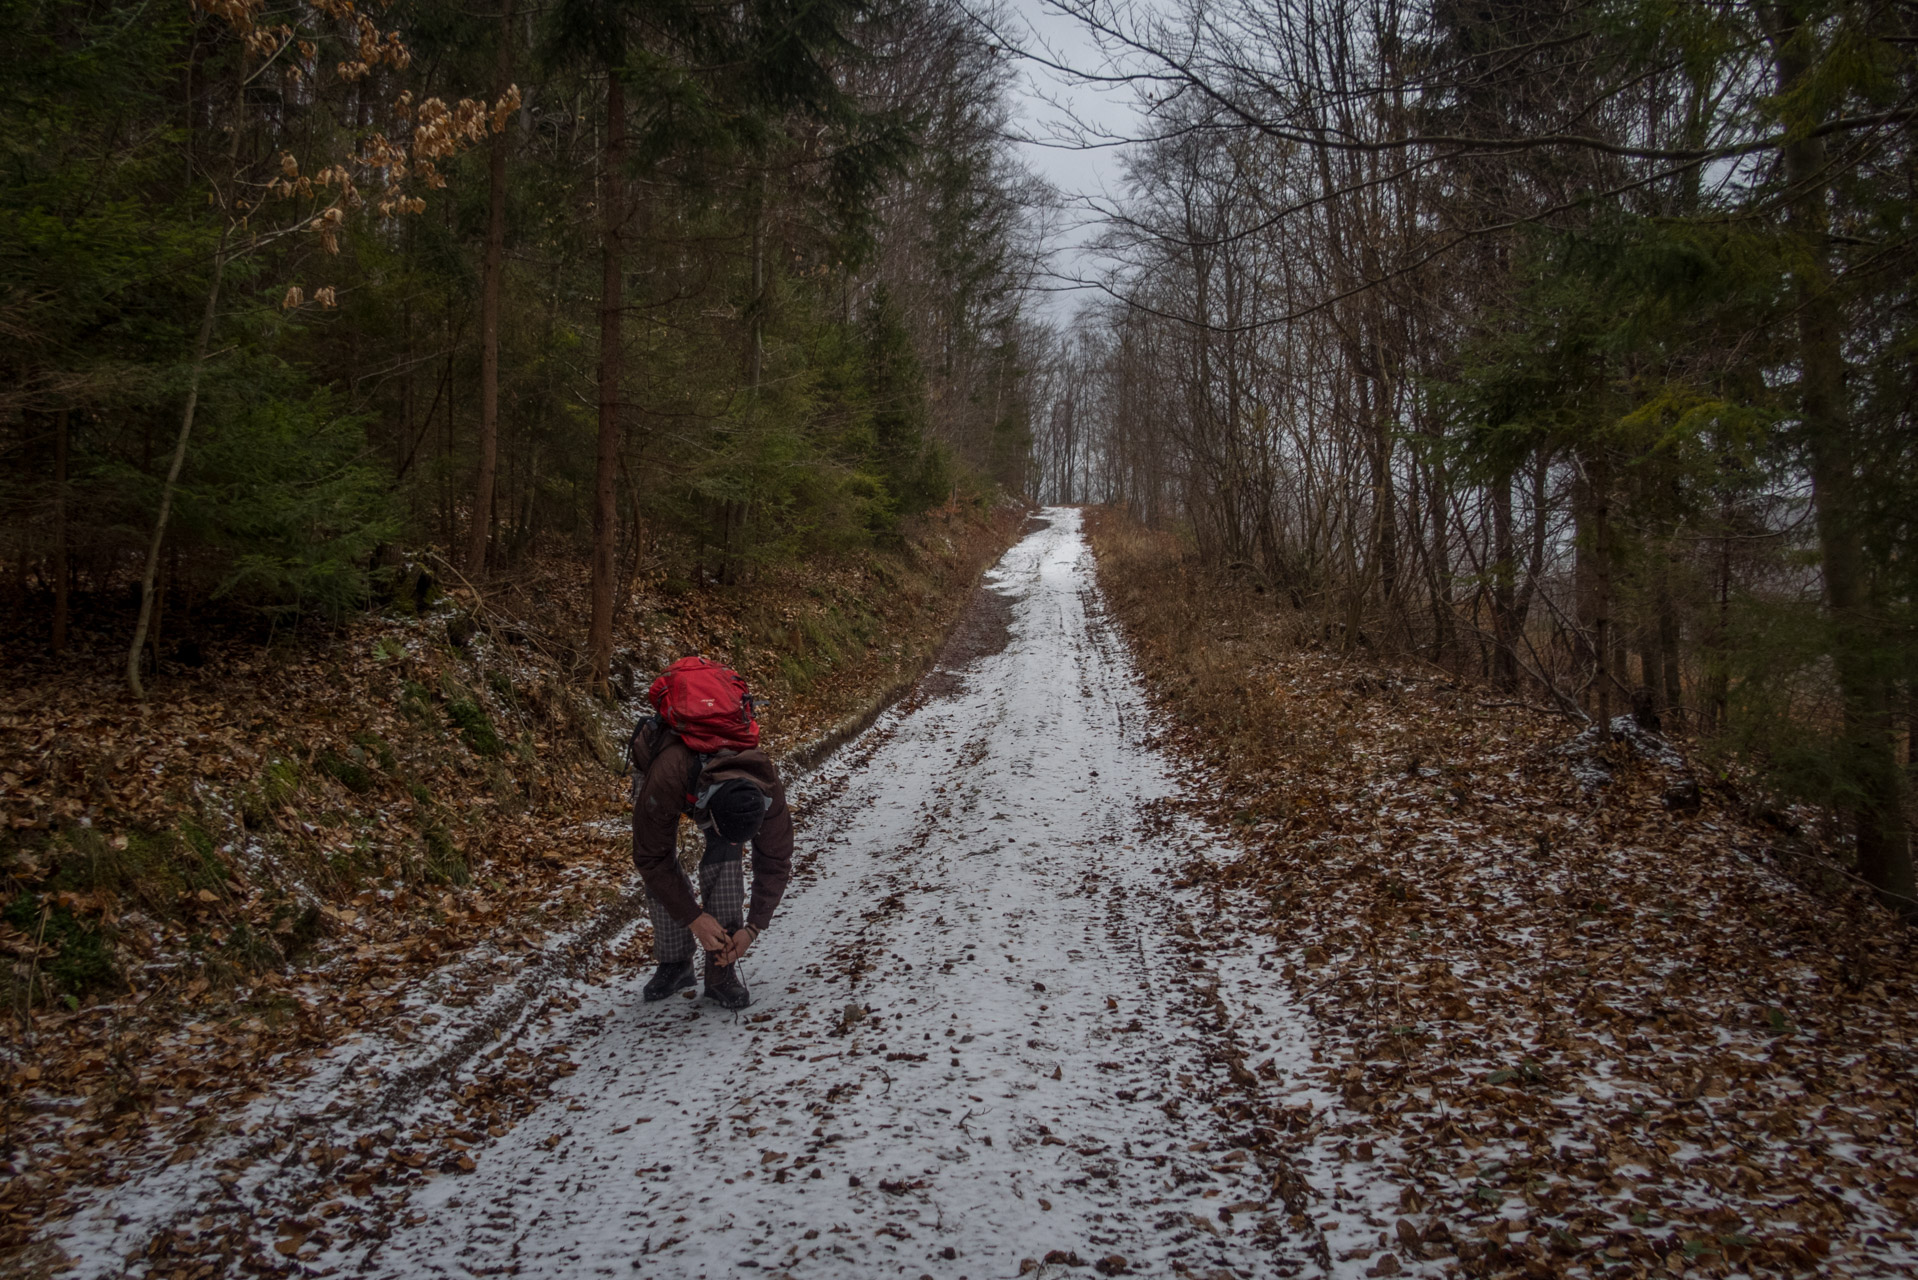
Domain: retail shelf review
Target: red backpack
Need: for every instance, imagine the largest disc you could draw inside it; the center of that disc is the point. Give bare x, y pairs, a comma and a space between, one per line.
706, 705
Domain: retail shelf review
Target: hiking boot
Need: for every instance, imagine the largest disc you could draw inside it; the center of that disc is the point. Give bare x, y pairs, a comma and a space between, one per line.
671, 976
724, 987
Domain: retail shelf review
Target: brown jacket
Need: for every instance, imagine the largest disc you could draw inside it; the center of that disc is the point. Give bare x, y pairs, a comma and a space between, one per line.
666, 792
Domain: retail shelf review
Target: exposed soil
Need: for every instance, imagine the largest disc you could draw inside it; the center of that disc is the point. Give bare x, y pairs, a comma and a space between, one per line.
983, 629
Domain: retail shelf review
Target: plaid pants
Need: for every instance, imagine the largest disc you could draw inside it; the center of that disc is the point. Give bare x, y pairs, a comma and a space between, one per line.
722, 891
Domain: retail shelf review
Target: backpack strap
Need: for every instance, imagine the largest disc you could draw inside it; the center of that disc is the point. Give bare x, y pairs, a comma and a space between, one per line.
697, 795
649, 737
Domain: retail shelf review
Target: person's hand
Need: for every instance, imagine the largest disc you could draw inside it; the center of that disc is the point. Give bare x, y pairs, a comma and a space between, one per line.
710, 934
742, 941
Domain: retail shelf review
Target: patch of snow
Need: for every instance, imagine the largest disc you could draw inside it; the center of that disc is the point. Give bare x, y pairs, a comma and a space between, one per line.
986, 1029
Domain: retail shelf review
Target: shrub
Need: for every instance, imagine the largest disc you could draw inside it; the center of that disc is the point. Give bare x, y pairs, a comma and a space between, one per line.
475, 726
151, 865
444, 862
83, 959
349, 773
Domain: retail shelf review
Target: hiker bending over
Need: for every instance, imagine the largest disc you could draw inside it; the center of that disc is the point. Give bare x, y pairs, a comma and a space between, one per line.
700, 755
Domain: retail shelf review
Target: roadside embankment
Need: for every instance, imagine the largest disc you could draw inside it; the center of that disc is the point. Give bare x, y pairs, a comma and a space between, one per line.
205, 893
1584, 1013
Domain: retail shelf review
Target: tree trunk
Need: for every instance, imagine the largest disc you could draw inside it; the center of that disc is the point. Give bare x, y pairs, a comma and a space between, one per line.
147, 579
1504, 585
1385, 531
756, 306
1602, 592
60, 454
1621, 663
1650, 686
1911, 730
1875, 800
491, 269
1593, 574
1673, 697
732, 512
611, 336
1584, 585
443, 482
1717, 645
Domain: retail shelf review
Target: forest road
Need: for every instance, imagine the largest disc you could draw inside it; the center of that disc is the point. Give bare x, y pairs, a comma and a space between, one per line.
980, 1031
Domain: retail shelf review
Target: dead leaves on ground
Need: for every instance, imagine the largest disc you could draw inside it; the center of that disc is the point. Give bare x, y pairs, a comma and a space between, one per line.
282, 849
1588, 1031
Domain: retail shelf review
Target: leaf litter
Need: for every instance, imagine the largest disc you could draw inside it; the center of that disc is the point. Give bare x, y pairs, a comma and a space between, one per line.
1591, 1018
985, 1042
324, 874
1450, 1005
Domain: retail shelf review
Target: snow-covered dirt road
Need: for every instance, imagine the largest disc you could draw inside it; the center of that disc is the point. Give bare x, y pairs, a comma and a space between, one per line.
990, 1033
964, 1043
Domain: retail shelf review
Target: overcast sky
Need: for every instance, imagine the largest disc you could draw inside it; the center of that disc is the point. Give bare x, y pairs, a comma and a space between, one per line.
1048, 103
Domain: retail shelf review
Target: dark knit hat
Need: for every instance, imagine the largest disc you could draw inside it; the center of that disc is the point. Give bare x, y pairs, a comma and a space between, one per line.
737, 808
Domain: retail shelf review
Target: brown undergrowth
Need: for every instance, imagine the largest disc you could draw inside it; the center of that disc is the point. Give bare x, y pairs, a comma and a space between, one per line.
1576, 1006
202, 894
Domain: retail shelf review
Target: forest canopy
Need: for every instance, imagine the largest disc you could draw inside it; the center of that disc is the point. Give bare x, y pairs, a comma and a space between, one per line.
290, 288
1568, 345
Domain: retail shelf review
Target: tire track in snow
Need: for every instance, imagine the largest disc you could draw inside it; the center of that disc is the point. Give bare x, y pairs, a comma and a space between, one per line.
982, 1037
1011, 1080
